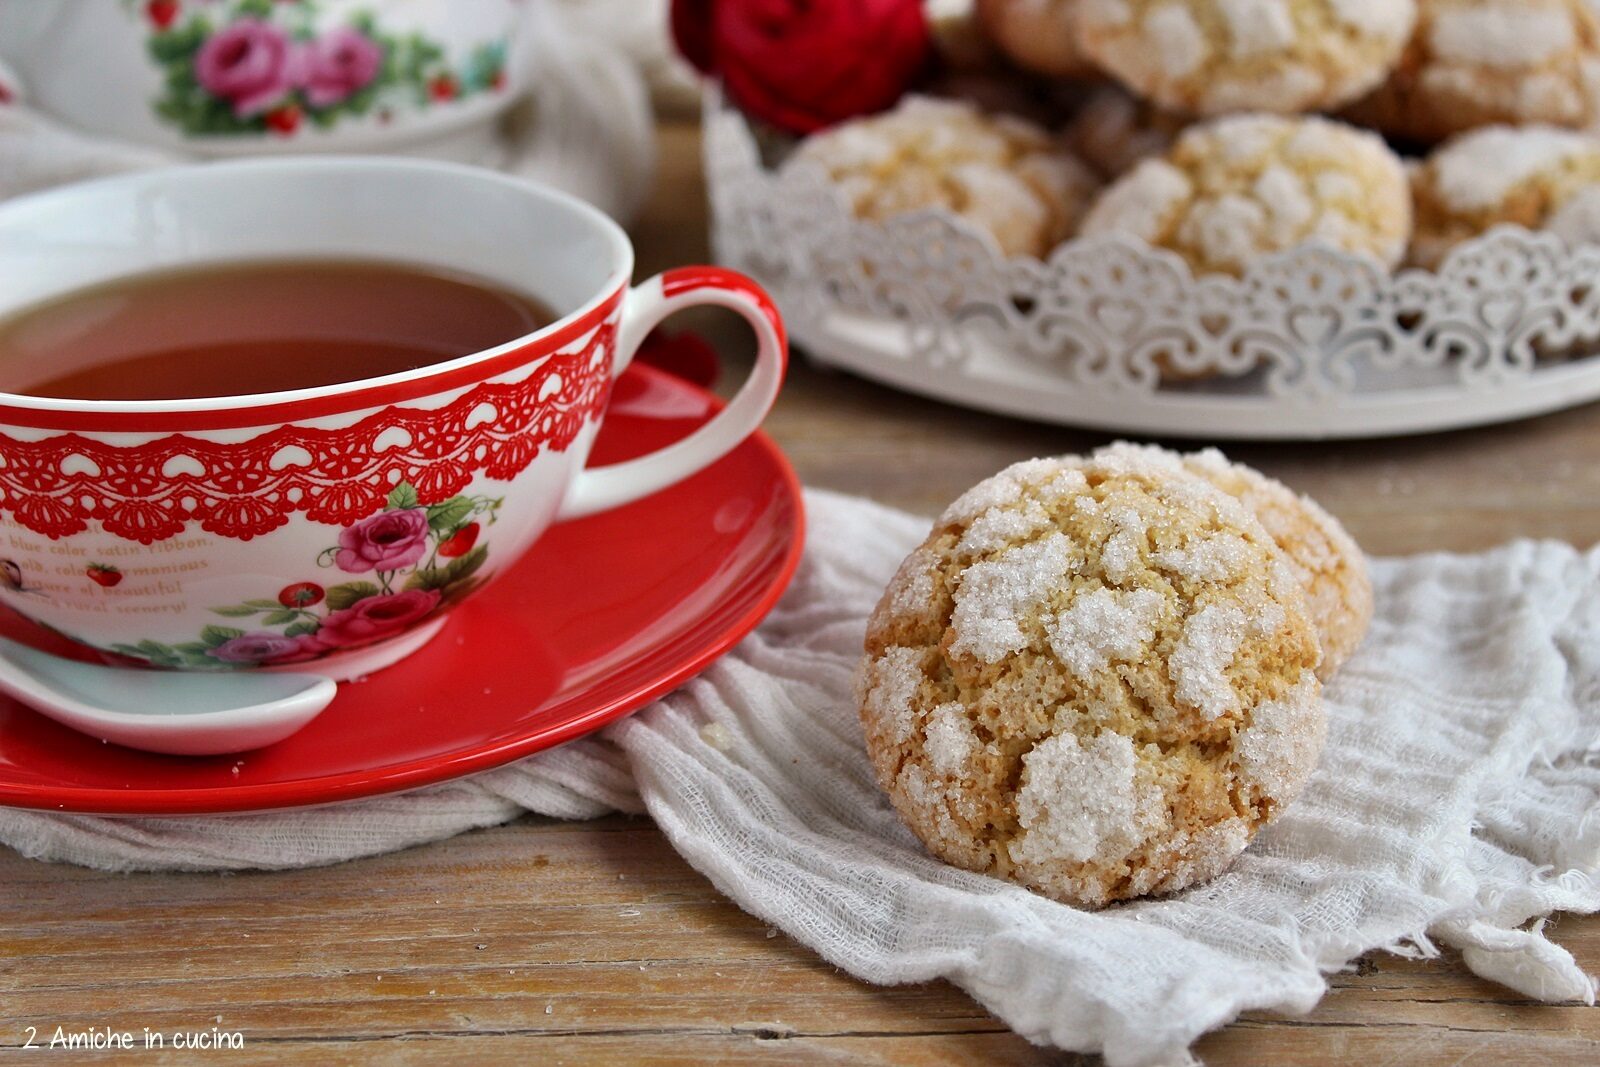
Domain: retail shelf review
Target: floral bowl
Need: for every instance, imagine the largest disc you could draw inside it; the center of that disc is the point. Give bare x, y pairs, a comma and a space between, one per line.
229, 77
334, 526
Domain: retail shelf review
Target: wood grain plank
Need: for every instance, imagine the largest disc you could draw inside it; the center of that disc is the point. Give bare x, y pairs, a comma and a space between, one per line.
736, 1048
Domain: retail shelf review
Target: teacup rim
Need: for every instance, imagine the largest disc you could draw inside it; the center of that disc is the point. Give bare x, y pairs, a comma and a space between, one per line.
566, 326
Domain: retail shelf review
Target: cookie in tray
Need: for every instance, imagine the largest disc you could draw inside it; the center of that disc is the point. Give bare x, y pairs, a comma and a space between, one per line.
1538, 177
1238, 188
1211, 57
1475, 63
1001, 172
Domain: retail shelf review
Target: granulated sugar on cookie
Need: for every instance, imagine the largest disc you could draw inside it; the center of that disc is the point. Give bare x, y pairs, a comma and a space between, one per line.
1471, 63
1096, 677
1215, 56
1539, 177
1002, 173
1233, 190
1326, 561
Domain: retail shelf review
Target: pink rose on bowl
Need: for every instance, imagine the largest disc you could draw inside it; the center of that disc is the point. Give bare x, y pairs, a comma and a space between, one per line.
386, 541
261, 647
341, 62
249, 63
375, 618
306, 646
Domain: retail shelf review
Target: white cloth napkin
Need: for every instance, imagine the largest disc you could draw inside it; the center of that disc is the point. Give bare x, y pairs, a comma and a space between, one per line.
1453, 805
587, 127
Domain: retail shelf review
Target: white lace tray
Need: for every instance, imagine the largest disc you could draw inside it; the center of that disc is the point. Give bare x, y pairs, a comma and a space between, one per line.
1112, 334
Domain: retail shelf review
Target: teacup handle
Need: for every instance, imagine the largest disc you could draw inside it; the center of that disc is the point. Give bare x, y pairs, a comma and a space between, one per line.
599, 488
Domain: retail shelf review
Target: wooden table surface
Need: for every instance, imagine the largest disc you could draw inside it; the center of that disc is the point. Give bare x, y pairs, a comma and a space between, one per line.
593, 943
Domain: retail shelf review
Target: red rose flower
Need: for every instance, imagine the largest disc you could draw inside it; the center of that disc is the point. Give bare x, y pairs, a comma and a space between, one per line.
691, 31
805, 64
376, 617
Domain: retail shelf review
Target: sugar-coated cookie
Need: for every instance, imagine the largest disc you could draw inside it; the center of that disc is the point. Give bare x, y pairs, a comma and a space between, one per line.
1001, 172
1472, 63
1329, 565
1216, 56
1540, 177
1036, 35
1238, 188
1096, 677
1114, 130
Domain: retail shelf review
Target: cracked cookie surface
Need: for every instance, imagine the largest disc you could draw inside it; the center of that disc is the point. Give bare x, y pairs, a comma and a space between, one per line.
1236, 189
1327, 562
1472, 63
1096, 677
1538, 177
1209, 57
1003, 173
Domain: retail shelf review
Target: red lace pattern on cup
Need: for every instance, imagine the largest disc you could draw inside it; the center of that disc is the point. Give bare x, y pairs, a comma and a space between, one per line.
150, 492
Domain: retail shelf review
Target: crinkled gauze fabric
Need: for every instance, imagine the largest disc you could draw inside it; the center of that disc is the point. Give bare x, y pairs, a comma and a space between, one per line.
1451, 805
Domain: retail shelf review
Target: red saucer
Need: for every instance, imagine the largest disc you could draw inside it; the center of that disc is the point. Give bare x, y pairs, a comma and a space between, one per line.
604, 615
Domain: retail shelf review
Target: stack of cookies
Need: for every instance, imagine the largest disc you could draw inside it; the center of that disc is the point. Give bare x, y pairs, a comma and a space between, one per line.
1227, 130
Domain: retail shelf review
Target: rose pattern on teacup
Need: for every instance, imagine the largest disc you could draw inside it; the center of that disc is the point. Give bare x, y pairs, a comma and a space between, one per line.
401, 564
258, 66
124, 547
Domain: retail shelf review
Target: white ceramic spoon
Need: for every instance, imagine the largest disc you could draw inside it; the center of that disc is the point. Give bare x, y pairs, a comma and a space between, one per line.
180, 714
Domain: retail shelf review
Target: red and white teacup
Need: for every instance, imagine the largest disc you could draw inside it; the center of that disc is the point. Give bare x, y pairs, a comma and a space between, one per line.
330, 527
